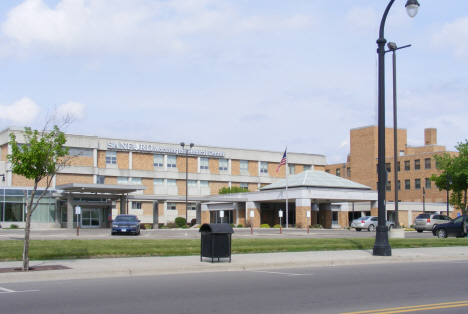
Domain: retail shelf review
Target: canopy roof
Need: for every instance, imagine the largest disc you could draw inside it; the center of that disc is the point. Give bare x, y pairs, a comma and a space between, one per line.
314, 178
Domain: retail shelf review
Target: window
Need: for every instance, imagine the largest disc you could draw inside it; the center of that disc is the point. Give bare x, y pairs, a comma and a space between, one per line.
292, 169
136, 205
171, 161
171, 206
307, 167
111, 158
100, 179
171, 182
417, 184
338, 172
244, 165
428, 183
417, 164
122, 180
223, 165
263, 167
327, 171
244, 185
136, 181
158, 181
388, 167
427, 163
398, 185
407, 165
348, 172
192, 182
402, 153
204, 184
203, 163
158, 161
407, 184
398, 166
191, 206
388, 187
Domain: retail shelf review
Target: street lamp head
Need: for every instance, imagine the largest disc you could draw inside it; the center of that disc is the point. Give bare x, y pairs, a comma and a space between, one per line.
392, 46
412, 7
182, 144
191, 145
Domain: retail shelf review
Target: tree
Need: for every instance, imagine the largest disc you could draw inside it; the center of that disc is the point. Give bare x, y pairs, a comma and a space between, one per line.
41, 157
455, 170
233, 189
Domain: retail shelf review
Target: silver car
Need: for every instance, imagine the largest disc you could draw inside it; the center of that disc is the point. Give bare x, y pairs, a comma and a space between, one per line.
427, 221
369, 223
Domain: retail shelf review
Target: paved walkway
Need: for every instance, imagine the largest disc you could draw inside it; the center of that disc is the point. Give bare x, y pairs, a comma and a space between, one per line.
141, 266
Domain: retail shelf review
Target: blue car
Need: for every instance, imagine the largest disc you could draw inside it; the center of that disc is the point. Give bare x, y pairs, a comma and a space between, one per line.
126, 224
451, 229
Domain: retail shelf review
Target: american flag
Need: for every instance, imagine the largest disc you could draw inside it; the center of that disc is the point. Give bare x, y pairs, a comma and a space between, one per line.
282, 162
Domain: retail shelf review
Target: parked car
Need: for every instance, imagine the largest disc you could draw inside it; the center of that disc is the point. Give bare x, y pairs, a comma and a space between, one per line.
427, 221
369, 223
125, 224
453, 228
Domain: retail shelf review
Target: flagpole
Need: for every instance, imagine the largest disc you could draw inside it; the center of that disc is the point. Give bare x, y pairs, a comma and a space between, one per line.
287, 175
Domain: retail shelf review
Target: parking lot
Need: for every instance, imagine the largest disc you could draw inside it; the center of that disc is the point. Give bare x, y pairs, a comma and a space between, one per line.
193, 233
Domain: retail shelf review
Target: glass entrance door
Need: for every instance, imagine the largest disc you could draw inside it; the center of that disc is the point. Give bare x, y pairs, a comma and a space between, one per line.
90, 218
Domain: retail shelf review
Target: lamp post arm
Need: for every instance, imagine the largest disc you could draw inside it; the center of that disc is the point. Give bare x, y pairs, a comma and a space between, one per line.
382, 23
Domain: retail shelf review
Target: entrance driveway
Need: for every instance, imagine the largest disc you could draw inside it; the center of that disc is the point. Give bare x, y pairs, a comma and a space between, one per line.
67, 234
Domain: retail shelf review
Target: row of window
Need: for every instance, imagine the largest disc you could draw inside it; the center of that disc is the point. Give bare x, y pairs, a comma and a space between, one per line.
417, 184
171, 162
417, 165
169, 182
170, 206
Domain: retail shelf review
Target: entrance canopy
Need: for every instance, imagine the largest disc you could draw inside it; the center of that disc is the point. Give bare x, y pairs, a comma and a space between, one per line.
99, 188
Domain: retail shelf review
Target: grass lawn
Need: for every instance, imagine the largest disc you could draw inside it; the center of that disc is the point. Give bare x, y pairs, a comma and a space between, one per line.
11, 250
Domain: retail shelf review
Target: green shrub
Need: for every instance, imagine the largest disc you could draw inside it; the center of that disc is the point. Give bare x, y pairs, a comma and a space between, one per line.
13, 226
240, 226
265, 226
147, 226
277, 226
193, 222
317, 226
185, 227
171, 225
180, 221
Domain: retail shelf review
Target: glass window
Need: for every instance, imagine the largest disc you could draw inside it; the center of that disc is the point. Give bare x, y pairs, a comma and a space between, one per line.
407, 165
427, 163
136, 205
244, 165
223, 165
417, 164
399, 186
407, 184
428, 183
158, 160
136, 181
327, 171
171, 182
263, 167
388, 187
191, 206
417, 183
334, 218
122, 180
292, 169
111, 157
101, 179
204, 183
348, 172
192, 182
338, 172
307, 167
204, 163
13, 212
244, 185
171, 206
171, 161
398, 166
158, 181
388, 167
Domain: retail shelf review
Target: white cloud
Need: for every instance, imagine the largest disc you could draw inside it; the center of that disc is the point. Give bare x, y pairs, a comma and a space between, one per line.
453, 35
23, 111
75, 109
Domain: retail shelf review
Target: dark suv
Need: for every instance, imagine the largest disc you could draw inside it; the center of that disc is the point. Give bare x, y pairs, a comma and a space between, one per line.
428, 221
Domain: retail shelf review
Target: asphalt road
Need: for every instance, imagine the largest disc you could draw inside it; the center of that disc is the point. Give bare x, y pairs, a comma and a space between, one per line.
61, 234
427, 287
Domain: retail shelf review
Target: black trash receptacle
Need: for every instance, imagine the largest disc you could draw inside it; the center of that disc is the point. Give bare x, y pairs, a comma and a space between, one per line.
216, 241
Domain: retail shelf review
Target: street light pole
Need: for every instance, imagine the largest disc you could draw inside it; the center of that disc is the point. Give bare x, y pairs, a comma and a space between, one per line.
393, 47
186, 180
449, 181
382, 246
424, 200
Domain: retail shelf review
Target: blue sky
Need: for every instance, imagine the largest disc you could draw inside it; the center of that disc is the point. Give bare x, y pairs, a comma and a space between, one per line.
248, 74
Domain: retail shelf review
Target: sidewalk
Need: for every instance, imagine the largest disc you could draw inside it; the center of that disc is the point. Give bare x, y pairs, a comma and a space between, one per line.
141, 266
